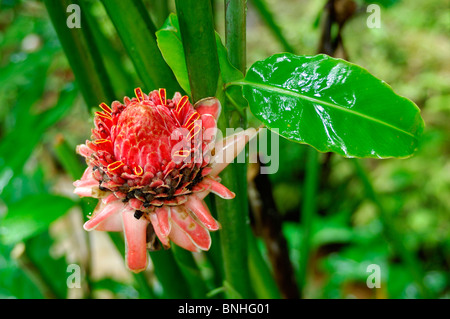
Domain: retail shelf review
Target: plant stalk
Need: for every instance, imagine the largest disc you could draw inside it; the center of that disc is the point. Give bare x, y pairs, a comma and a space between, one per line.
137, 33
308, 212
197, 34
82, 53
235, 32
191, 271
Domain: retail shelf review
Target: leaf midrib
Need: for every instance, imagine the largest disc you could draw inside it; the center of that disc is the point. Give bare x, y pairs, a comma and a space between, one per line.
308, 98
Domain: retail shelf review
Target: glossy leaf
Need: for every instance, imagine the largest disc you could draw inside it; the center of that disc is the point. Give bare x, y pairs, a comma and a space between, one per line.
332, 105
32, 215
171, 47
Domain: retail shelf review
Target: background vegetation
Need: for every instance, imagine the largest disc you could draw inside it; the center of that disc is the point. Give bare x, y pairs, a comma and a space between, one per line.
394, 213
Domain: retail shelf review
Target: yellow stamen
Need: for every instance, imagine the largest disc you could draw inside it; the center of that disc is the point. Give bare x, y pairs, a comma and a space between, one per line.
198, 126
138, 172
183, 101
113, 166
182, 153
105, 108
139, 94
162, 96
101, 140
196, 114
103, 115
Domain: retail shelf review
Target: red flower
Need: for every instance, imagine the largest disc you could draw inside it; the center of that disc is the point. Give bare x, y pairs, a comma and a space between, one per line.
150, 164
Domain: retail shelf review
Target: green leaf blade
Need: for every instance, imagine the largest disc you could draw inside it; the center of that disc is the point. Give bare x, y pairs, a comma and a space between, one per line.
171, 47
332, 105
31, 216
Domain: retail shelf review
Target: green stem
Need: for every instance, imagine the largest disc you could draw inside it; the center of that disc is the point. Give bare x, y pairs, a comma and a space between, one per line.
82, 53
214, 255
235, 32
167, 270
110, 52
391, 231
233, 214
233, 236
197, 33
199, 43
309, 208
263, 283
137, 33
191, 271
269, 19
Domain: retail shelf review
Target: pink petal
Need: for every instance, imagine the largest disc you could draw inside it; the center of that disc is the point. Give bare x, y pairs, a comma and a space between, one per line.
85, 185
163, 214
157, 227
179, 237
102, 212
227, 149
209, 105
84, 191
91, 182
184, 225
200, 210
217, 188
113, 223
208, 123
84, 150
136, 204
109, 198
136, 243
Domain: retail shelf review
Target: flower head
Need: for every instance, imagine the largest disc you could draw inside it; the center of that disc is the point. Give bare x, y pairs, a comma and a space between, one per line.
151, 161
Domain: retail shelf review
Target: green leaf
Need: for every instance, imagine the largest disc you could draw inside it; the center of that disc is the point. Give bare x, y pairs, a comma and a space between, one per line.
228, 71
171, 47
28, 132
14, 282
32, 215
52, 269
332, 105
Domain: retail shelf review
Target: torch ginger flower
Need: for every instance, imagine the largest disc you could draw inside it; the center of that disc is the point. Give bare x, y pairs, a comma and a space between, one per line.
151, 162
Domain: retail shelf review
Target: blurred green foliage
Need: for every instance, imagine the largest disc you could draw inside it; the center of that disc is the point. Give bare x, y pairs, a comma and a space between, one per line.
41, 106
